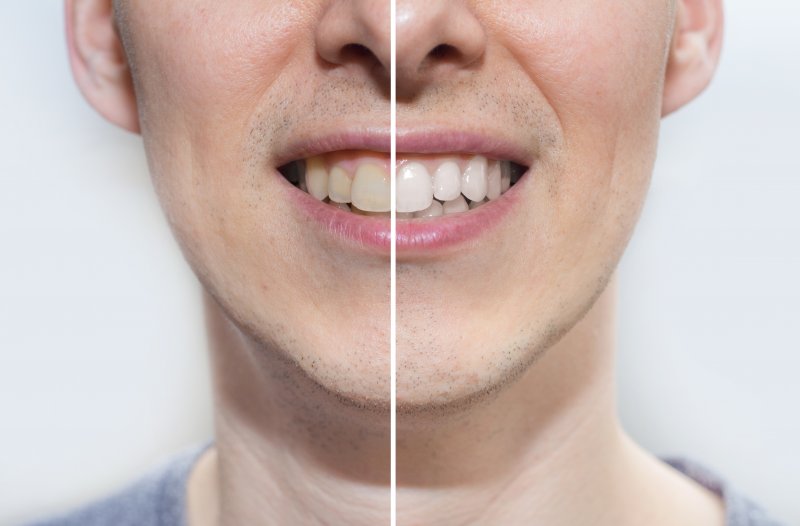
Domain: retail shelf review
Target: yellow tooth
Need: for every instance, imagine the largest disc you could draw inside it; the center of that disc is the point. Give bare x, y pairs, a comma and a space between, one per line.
316, 178
371, 190
339, 186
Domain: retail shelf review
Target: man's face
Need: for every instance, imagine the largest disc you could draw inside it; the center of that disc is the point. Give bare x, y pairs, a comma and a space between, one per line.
569, 88
229, 92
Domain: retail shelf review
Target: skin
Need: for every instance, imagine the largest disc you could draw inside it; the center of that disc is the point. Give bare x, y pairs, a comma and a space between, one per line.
501, 418
498, 420
299, 328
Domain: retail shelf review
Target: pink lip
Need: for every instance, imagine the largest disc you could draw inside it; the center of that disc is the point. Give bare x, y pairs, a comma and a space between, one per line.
415, 238
419, 237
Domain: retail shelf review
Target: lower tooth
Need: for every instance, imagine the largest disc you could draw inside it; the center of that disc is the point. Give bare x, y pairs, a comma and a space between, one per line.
435, 210
459, 204
367, 213
476, 204
405, 215
342, 206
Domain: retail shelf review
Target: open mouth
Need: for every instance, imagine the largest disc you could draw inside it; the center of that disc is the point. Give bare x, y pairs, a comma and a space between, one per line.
428, 186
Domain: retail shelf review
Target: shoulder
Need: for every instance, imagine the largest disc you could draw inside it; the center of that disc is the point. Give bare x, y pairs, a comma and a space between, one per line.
739, 510
157, 499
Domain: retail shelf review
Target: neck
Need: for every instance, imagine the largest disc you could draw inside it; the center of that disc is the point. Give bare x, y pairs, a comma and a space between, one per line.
286, 451
546, 450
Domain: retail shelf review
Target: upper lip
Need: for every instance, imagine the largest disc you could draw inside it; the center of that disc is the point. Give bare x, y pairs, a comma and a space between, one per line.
433, 139
376, 139
428, 139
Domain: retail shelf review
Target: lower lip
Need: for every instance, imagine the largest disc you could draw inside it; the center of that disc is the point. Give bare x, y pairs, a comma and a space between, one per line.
415, 238
418, 238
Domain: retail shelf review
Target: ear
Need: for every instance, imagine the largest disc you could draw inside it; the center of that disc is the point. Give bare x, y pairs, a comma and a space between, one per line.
694, 51
98, 61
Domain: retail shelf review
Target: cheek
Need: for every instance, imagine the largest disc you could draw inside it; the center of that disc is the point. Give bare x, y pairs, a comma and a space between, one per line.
599, 65
598, 59
203, 68
206, 65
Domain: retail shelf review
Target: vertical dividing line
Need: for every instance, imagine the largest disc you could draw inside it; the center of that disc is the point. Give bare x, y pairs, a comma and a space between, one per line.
393, 266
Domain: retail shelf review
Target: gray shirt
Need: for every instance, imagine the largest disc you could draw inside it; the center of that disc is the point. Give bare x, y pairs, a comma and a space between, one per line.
160, 499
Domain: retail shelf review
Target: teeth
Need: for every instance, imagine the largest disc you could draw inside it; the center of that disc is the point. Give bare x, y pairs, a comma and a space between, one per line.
371, 189
447, 181
339, 184
493, 182
360, 212
435, 210
473, 181
316, 178
459, 204
475, 204
414, 188
457, 185
505, 177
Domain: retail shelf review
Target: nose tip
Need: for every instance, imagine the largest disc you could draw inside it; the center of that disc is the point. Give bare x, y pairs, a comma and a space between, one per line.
435, 40
355, 34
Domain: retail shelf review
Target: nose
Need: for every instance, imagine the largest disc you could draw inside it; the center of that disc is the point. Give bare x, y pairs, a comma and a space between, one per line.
355, 35
436, 39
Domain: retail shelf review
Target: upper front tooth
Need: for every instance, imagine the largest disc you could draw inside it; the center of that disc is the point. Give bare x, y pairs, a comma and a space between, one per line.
316, 178
371, 190
339, 185
414, 188
474, 181
447, 181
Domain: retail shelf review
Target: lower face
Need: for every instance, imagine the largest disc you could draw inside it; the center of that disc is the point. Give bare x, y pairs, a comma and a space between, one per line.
518, 184
577, 103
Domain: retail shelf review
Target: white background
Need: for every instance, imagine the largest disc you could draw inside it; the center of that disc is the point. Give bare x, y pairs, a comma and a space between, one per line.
102, 354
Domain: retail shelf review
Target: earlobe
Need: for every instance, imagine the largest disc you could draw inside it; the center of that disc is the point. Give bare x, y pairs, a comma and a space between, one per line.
694, 51
98, 61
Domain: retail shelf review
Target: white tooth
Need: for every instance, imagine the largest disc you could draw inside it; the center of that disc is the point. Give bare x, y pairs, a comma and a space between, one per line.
435, 210
414, 188
493, 183
339, 185
316, 178
505, 176
476, 204
447, 181
342, 206
371, 190
473, 180
405, 215
459, 204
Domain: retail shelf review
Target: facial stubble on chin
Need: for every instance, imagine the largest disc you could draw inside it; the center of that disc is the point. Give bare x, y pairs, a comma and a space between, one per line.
518, 357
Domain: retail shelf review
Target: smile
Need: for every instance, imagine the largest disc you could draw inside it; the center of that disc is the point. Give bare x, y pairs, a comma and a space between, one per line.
451, 189
428, 186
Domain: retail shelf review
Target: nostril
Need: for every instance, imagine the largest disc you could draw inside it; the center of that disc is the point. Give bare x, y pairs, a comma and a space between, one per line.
357, 53
444, 52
